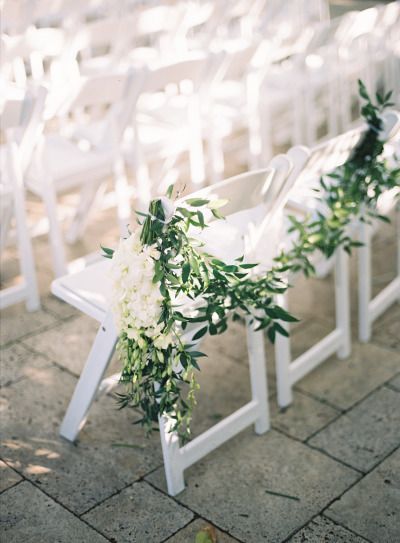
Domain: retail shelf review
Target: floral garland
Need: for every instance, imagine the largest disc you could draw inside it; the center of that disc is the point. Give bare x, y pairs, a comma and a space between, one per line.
160, 273
350, 192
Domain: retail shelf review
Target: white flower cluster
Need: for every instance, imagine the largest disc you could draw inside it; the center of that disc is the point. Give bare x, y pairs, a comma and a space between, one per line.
137, 299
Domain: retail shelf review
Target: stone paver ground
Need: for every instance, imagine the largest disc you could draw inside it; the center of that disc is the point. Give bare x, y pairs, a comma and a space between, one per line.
327, 471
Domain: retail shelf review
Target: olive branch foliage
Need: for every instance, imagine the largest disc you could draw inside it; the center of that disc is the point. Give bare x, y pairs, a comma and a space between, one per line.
350, 191
162, 380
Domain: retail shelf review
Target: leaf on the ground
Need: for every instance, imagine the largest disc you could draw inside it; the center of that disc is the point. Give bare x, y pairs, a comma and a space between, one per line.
207, 534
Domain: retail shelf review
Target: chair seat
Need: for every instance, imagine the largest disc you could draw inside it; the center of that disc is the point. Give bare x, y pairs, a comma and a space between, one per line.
64, 161
89, 290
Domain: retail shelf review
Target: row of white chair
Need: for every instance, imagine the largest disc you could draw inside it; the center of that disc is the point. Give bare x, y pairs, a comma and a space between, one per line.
256, 204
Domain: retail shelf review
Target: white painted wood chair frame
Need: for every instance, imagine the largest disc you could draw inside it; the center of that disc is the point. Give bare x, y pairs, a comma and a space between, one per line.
176, 459
18, 153
325, 158
322, 159
371, 308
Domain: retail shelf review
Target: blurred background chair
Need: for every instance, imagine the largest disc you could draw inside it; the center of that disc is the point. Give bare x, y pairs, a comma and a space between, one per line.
21, 124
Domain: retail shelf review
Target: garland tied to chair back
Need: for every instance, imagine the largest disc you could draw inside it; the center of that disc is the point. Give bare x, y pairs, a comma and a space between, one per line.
168, 293
349, 192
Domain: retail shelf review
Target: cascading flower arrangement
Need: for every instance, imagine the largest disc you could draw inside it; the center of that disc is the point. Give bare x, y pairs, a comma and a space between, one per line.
168, 293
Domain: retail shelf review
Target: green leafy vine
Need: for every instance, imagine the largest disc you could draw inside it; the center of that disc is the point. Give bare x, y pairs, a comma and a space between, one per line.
351, 191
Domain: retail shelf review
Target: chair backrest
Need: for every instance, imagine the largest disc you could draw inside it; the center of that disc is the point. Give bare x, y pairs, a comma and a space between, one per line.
109, 98
24, 55
255, 201
104, 36
22, 123
328, 156
191, 69
331, 154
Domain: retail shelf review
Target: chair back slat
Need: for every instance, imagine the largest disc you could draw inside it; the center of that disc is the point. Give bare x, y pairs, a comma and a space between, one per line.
191, 69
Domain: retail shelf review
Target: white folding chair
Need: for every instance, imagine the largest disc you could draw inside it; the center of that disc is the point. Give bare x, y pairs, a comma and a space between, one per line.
87, 157
316, 162
371, 308
165, 124
230, 106
20, 121
254, 200
321, 160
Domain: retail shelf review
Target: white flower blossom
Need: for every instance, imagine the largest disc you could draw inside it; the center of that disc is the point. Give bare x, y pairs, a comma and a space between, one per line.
137, 299
168, 208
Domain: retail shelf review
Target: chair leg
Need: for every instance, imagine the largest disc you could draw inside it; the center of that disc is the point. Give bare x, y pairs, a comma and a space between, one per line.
173, 465
397, 226
258, 376
55, 235
90, 195
90, 379
24, 241
364, 282
342, 301
282, 361
123, 196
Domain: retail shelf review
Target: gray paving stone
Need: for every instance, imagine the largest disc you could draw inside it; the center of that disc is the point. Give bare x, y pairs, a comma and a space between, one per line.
342, 383
312, 297
395, 383
386, 329
18, 362
312, 332
231, 344
303, 418
58, 308
367, 433
8, 477
188, 534
79, 476
230, 486
78, 334
16, 322
322, 529
224, 387
372, 507
384, 265
29, 515
139, 514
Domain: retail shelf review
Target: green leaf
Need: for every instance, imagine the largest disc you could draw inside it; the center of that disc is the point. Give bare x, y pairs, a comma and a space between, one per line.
108, 253
203, 537
200, 216
197, 202
197, 354
280, 329
200, 333
217, 214
231, 269
271, 334
216, 204
248, 266
185, 272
